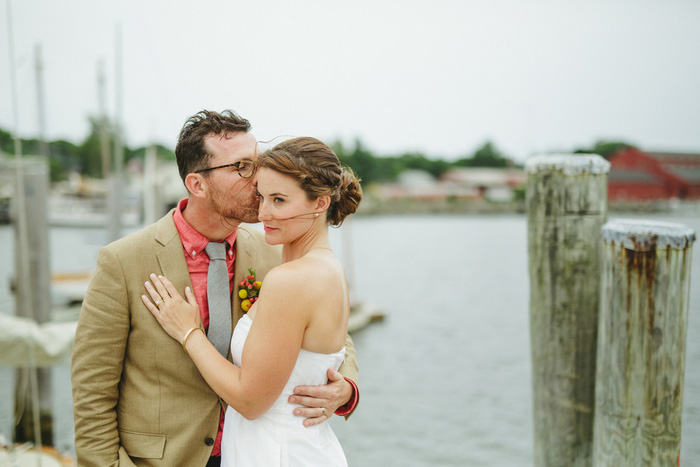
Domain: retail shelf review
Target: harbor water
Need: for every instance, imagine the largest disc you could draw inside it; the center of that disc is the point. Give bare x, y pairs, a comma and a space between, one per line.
445, 379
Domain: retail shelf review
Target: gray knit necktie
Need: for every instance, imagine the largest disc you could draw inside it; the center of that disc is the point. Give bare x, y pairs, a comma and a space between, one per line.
218, 298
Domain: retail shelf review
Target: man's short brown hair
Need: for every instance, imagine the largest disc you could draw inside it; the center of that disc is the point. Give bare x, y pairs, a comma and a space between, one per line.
191, 152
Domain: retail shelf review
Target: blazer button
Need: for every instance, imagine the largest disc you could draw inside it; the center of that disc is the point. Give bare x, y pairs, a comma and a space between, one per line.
209, 441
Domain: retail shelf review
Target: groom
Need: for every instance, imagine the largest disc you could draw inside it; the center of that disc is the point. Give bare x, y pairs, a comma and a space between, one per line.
138, 400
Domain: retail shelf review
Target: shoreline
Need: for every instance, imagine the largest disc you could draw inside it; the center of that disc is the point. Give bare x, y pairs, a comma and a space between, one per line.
374, 207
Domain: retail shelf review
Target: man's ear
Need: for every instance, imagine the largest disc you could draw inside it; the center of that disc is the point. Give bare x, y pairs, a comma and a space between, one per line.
196, 185
322, 203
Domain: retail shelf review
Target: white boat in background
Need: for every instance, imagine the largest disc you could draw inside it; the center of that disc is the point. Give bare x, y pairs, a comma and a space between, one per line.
79, 211
29, 455
24, 343
362, 314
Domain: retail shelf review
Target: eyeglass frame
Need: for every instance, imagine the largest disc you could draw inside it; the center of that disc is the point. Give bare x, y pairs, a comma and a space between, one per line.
237, 165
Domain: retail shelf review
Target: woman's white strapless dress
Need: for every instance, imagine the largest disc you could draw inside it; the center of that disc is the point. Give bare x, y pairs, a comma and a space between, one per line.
278, 438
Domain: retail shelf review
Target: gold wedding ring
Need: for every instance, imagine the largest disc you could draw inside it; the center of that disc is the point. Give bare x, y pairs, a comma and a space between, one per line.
158, 302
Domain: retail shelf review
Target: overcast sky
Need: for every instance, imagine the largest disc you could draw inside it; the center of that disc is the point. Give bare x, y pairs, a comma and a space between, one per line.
439, 76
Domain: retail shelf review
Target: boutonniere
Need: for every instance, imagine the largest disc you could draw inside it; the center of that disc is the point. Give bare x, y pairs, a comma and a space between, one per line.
248, 290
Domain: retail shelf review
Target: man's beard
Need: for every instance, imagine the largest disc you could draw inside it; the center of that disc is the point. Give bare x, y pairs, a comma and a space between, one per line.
236, 205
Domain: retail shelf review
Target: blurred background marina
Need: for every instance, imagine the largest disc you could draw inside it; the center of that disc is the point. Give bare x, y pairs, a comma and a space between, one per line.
436, 106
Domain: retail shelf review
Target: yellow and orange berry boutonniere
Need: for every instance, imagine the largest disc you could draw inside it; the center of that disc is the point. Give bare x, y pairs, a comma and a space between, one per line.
248, 290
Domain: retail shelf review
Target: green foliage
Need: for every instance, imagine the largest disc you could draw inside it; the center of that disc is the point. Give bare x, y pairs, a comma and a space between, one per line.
605, 148
140, 153
85, 158
89, 154
361, 160
61, 159
418, 161
486, 156
57, 171
372, 168
519, 193
62, 149
7, 143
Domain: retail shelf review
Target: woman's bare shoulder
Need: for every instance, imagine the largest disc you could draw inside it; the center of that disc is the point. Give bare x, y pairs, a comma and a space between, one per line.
307, 273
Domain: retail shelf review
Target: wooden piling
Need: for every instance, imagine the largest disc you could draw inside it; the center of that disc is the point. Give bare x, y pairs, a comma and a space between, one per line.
641, 343
566, 204
32, 292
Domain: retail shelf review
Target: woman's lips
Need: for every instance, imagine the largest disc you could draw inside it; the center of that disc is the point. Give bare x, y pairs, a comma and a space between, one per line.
269, 229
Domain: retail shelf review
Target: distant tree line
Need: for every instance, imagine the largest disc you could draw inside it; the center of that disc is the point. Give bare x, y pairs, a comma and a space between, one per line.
86, 157
604, 148
372, 168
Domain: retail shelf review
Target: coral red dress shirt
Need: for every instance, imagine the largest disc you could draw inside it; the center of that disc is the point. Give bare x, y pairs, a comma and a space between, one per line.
194, 243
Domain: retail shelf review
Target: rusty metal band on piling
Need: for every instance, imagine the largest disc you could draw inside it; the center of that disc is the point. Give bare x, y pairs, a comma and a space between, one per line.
641, 343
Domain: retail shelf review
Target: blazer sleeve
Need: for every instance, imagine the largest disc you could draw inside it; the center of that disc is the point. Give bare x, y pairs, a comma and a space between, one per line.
97, 362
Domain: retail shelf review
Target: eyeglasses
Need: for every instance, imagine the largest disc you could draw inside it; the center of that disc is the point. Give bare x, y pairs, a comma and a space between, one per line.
245, 168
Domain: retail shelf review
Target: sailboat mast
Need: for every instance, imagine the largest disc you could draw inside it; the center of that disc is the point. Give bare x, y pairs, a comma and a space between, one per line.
23, 291
116, 185
41, 110
103, 120
20, 200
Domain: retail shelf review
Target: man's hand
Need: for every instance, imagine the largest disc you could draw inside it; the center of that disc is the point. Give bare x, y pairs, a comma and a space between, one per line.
321, 401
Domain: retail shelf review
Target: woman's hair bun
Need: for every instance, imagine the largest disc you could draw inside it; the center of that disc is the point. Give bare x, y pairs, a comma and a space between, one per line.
349, 196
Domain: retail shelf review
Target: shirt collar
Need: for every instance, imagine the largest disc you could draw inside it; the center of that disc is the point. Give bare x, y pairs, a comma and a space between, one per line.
192, 241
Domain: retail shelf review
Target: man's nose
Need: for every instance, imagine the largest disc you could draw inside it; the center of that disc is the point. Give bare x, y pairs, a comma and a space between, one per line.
262, 211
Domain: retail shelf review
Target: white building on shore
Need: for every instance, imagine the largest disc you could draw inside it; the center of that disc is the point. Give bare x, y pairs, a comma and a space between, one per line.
492, 184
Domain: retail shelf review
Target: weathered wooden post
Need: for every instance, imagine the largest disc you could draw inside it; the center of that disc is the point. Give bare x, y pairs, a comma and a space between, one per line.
566, 206
641, 343
32, 287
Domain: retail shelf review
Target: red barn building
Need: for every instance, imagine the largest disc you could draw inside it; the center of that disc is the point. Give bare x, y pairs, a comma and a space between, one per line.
638, 175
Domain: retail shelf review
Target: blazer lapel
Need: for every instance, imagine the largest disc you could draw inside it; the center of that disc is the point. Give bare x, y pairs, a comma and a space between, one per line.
171, 257
245, 258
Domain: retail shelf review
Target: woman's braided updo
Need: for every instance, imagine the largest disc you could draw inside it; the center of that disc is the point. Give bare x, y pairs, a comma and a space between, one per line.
318, 170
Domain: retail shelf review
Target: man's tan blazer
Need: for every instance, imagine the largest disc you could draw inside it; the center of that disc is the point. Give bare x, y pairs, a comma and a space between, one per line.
137, 397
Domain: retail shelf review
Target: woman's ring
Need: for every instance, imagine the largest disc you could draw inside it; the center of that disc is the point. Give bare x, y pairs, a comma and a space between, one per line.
158, 302
324, 411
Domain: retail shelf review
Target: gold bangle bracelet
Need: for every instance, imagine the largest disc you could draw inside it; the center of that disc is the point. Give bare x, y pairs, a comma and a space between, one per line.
184, 341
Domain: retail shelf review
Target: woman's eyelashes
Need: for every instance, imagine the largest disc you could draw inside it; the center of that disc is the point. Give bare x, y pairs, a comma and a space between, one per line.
276, 199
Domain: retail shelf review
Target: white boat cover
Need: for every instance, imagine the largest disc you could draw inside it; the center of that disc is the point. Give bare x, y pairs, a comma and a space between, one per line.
24, 342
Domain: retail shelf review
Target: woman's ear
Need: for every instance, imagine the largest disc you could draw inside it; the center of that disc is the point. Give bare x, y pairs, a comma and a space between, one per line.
196, 185
322, 203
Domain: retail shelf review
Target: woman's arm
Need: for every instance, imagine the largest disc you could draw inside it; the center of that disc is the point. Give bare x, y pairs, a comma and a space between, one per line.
270, 351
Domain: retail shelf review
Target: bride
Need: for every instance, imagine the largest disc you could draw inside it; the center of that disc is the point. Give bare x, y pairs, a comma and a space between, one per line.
296, 329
